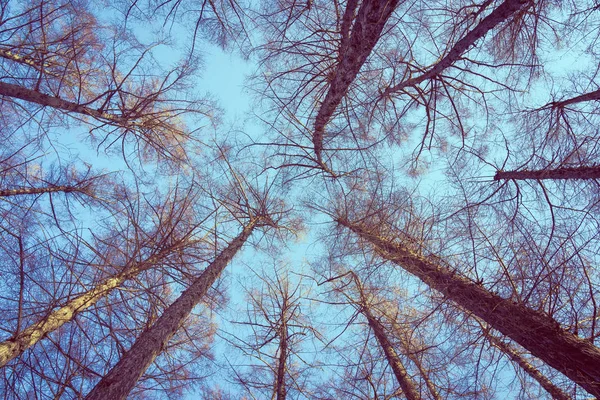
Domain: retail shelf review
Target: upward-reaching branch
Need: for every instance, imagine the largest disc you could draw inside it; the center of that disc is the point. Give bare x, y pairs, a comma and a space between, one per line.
496, 17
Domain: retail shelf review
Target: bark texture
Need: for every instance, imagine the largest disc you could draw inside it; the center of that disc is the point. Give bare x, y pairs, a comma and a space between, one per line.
42, 190
282, 362
541, 335
354, 50
32, 96
558, 173
554, 391
496, 17
121, 379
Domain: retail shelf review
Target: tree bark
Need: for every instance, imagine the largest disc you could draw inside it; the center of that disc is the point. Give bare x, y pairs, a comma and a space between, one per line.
281, 365
496, 17
42, 190
558, 173
32, 96
541, 335
595, 95
551, 388
366, 31
21, 341
121, 379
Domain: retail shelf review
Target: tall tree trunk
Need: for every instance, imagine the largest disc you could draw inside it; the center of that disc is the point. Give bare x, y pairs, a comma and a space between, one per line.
409, 388
558, 173
42, 190
496, 17
21, 341
366, 31
577, 358
551, 388
124, 375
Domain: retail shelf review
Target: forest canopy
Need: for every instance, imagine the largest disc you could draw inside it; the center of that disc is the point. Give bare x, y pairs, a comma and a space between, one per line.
407, 207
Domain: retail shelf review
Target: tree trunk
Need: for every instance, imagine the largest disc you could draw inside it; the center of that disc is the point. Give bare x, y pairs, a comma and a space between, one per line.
42, 190
32, 96
541, 335
281, 365
551, 388
406, 345
409, 388
496, 17
595, 95
16, 345
558, 173
366, 31
121, 379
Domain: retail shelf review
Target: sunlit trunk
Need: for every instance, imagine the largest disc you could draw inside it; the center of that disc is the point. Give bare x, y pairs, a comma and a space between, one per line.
24, 339
409, 388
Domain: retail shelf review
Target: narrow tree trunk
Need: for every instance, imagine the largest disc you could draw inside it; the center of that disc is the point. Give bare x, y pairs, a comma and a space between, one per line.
558, 173
595, 95
21, 341
282, 364
409, 388
577, 358
20, 92
42, 190
366, 31
551, 388
496, 17
121, 379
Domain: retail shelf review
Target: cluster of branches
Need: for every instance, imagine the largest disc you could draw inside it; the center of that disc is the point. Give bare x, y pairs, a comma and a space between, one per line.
111, 274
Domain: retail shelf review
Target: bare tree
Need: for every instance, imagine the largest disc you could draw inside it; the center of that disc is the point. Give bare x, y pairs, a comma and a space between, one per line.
523, 325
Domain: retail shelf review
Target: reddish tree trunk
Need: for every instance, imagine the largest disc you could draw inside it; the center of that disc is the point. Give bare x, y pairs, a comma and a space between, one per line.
496, 17
409, 388
121, 379
541, 335
595, 95
558, 173
32, 96
354, 50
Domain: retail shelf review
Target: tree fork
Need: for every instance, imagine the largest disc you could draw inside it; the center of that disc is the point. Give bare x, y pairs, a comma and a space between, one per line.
541, 335
121, 379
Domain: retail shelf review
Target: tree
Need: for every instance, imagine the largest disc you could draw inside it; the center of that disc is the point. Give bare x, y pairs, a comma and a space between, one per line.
526, 326
454, 145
